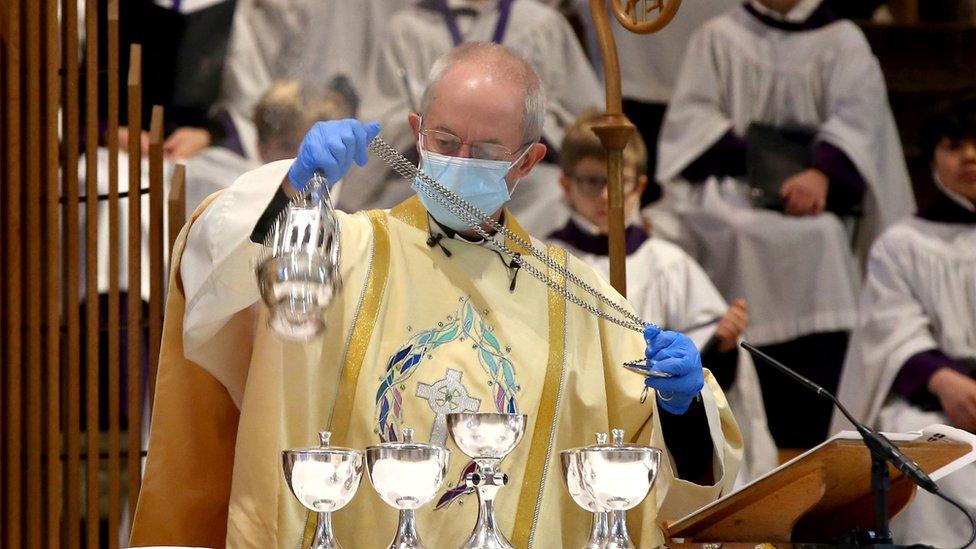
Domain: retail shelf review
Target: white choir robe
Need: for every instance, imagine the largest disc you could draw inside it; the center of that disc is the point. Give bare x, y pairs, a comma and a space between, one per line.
798, 273
340, 38
102, 248
416, 37
665, 286
409, 324
919, 295
258, 44
650, 63
212, 170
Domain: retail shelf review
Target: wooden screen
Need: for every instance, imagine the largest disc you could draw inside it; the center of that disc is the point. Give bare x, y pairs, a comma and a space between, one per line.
80, 322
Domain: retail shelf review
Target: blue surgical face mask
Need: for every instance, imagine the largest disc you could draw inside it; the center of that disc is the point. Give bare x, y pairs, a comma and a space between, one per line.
480, 182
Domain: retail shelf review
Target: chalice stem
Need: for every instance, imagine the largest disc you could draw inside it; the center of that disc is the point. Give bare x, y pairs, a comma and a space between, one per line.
619, 538
486, 534
406, 536
324, 536
486, 515
600, 530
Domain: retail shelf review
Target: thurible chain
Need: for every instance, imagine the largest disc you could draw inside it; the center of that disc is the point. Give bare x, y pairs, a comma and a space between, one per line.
474, 217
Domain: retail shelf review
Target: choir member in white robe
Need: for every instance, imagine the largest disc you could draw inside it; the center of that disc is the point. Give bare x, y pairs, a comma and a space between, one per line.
417, 36
912, 359
423, 309
665, 285
795, 68
649, 65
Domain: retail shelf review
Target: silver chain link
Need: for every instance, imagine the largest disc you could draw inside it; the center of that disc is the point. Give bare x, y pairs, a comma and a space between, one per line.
474, 217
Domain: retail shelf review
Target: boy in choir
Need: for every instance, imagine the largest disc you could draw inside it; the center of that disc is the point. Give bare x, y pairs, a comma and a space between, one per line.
780, 163
670, 289
912, 359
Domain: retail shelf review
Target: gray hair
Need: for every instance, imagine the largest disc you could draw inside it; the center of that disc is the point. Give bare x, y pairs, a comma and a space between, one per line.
503, 62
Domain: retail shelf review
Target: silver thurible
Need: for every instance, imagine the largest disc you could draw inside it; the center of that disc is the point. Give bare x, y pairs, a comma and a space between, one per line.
298, 269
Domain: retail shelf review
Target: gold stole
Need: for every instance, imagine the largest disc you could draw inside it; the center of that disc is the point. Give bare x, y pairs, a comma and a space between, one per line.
413, 213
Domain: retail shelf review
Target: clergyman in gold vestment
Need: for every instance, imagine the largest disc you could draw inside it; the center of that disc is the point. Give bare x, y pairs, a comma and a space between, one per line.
430, 320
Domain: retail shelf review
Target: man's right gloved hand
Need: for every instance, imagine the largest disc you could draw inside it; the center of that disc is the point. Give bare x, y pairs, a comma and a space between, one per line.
331, 147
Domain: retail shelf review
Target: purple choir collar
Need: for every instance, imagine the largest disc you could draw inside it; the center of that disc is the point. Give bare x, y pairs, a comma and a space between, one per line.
450, 19
598, 244
821, 17
944, 209
232, 137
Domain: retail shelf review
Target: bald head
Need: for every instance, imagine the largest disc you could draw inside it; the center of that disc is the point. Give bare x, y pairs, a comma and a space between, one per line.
475, 64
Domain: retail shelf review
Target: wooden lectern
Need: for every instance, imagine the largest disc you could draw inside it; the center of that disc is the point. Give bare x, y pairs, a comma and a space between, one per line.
821, 496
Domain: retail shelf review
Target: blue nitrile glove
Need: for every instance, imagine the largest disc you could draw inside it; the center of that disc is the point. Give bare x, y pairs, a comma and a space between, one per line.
331, 147
676, 354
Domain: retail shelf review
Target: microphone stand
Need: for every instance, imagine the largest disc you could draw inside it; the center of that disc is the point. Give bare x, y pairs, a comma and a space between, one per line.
882, 452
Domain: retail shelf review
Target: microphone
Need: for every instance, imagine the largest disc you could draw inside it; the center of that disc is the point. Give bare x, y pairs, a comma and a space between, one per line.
877, 443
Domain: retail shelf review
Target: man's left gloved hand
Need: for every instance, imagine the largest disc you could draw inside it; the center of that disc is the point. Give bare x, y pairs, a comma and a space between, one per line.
677, 355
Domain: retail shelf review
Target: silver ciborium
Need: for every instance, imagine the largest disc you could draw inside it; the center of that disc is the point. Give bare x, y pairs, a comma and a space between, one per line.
298, 269
486, 438
324, 479
407, 475
600, 526
617, 477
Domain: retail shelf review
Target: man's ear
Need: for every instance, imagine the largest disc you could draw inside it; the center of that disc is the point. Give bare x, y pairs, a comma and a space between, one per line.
564, 183
414, 120
536, 152
641, 184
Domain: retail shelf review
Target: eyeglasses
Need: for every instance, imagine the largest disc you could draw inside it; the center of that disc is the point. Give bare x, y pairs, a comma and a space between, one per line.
448, 144
594, 186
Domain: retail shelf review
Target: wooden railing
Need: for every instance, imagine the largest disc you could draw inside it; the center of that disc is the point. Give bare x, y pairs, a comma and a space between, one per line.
73, 334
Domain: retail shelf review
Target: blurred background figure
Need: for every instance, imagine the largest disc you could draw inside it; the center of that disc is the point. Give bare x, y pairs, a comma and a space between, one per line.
778, 152
673, 291
250, 44
281, 118
912, 359
184, 45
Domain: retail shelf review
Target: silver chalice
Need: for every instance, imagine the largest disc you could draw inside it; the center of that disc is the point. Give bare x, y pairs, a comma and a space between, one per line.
486, 438
324, 479
618, 477
407, 475
298, 268
600, 526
